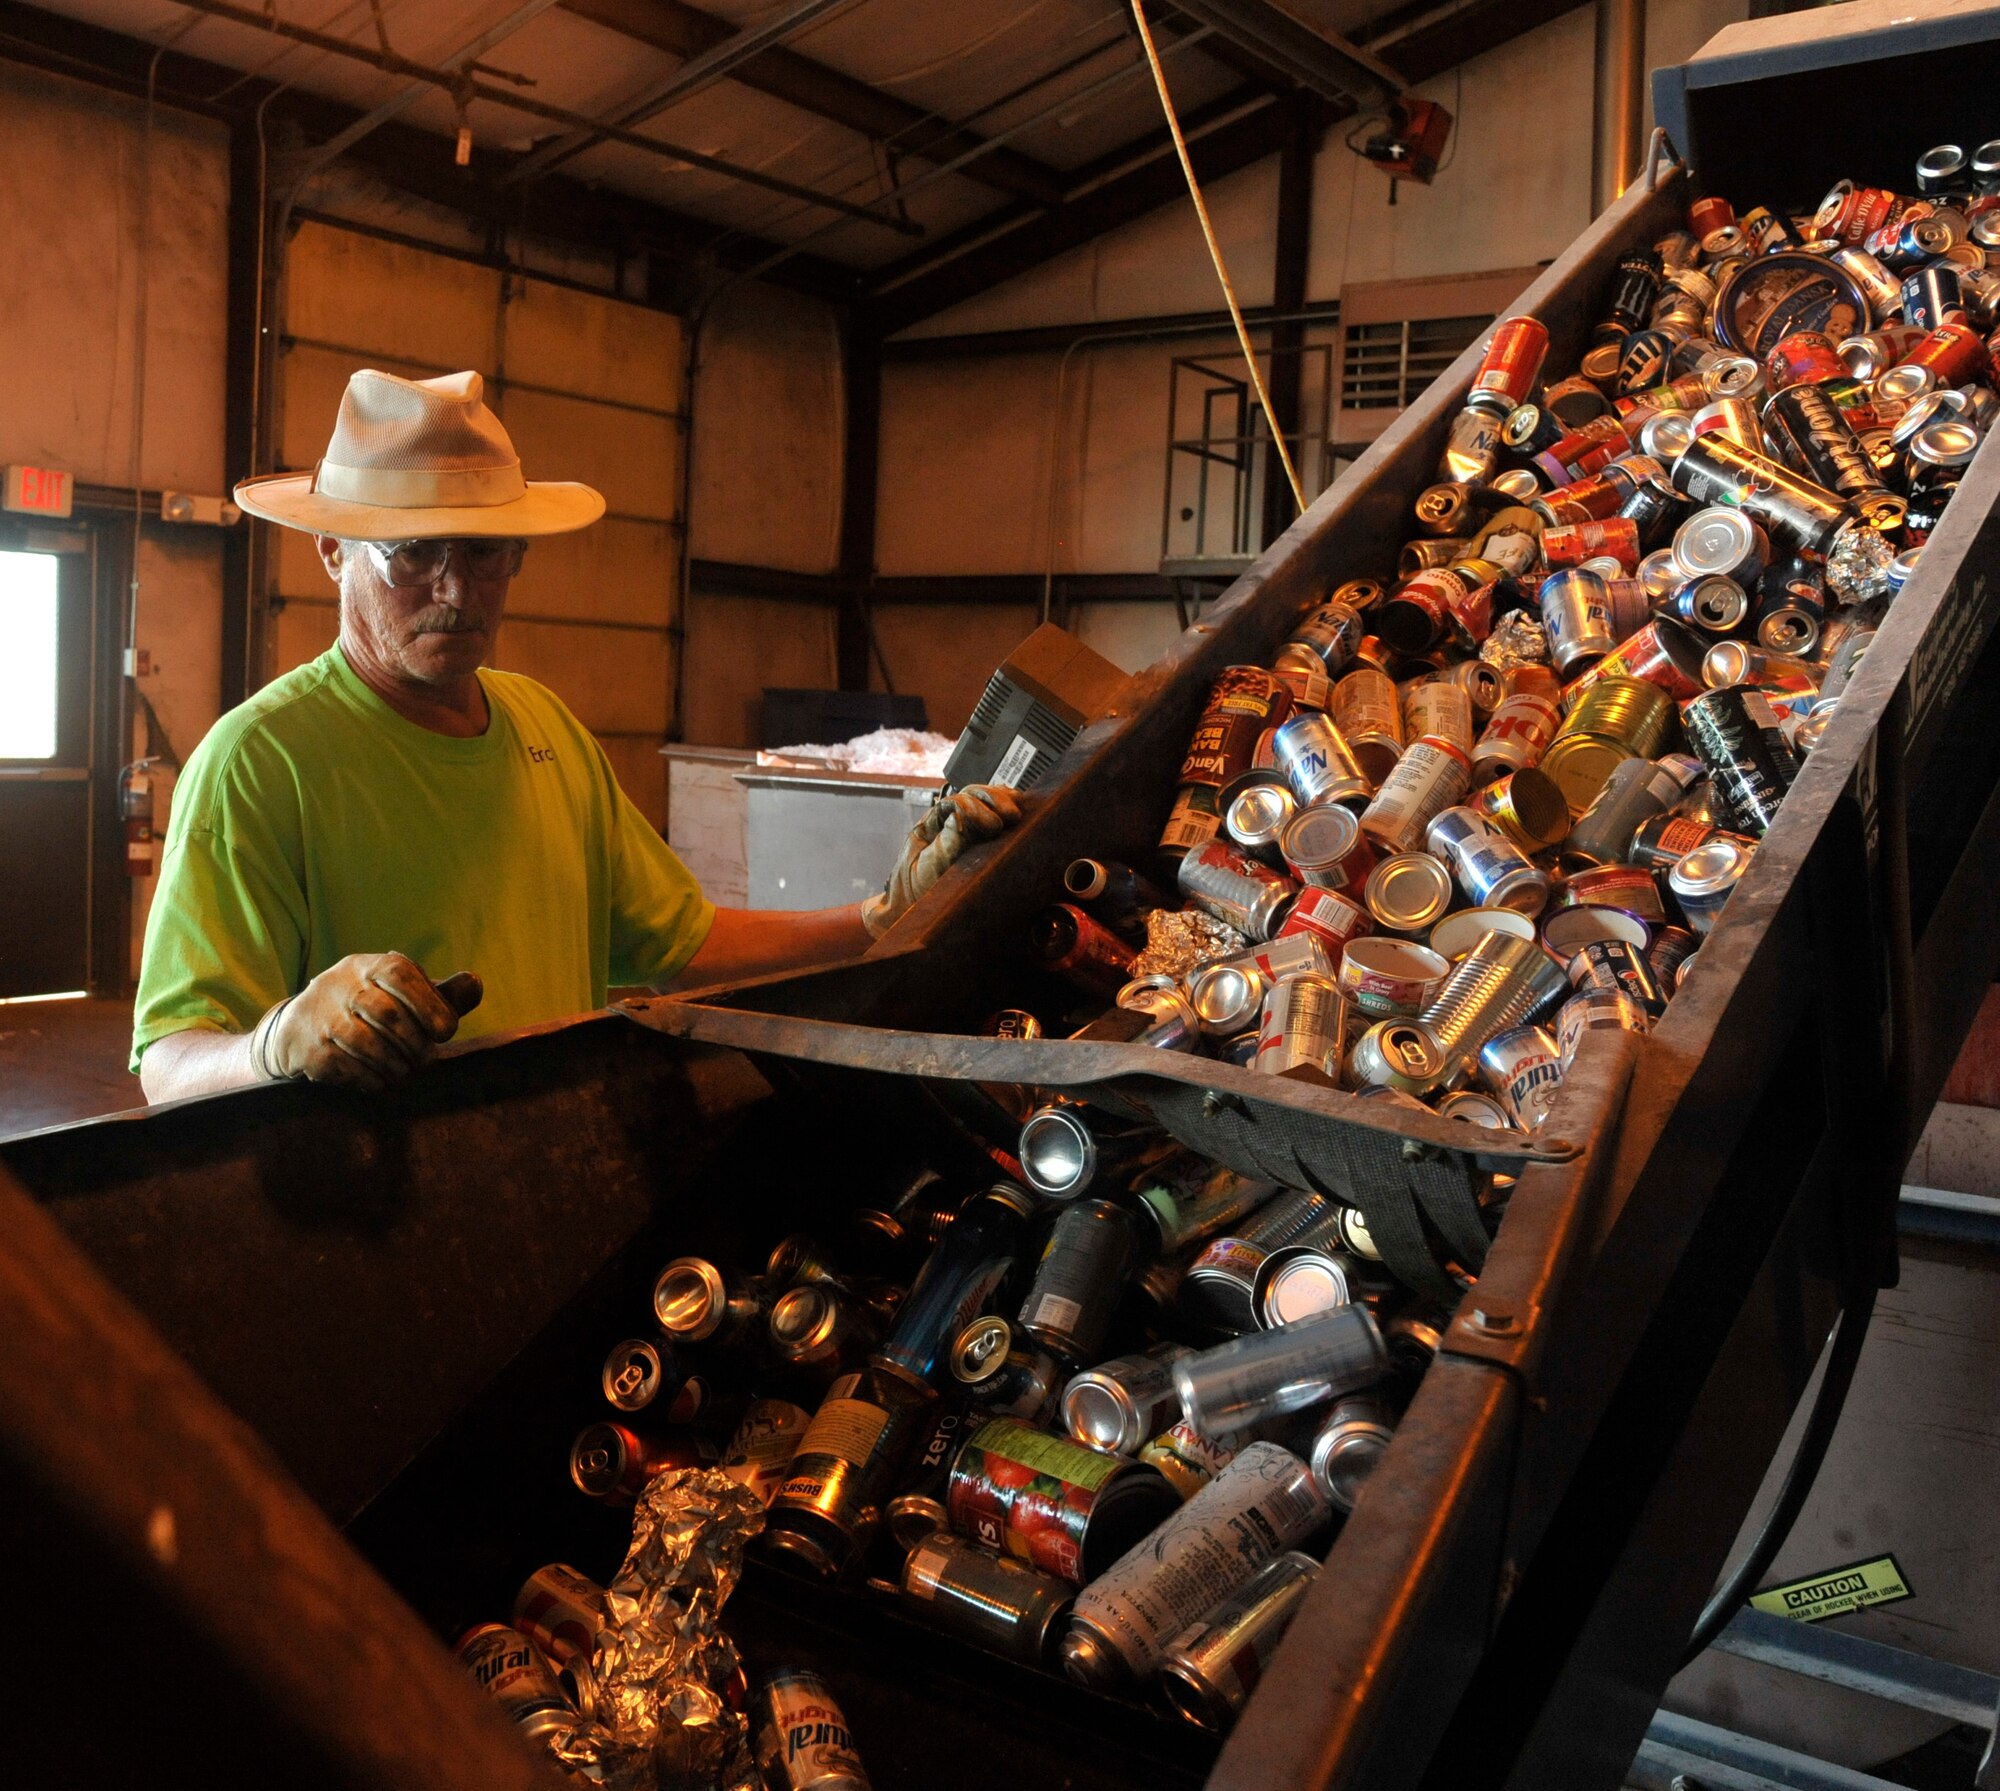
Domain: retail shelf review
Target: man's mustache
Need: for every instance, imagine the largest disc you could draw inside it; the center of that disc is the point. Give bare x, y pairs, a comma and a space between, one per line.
443, 619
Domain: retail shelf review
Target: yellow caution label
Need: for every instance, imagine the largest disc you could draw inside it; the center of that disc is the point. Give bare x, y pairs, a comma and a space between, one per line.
1834, 1594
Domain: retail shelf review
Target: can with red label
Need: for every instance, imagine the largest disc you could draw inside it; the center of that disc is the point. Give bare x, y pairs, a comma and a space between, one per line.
1331, 917
1804, 358
1325, 848
1588, 500
1064, 1508
1511, 365
1710, 214
1570, 544
1953, 351
1624, 887
560, 1610
1418, 613
1080, 949
1853, 214
1663, 653
1431, 776
1517, 735
1388, 977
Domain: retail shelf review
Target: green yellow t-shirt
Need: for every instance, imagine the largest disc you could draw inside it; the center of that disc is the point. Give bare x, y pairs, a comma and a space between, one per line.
314, 821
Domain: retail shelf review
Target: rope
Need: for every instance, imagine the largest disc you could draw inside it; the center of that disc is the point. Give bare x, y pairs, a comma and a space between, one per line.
1215, 251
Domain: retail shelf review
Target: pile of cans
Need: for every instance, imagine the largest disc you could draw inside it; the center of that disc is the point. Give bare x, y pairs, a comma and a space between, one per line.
1484, 802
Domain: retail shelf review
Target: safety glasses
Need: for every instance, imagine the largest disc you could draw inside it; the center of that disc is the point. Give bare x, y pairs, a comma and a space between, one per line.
424, 562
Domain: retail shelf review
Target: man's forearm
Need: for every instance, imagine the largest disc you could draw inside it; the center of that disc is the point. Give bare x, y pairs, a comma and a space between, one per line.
198, 1061
746, 942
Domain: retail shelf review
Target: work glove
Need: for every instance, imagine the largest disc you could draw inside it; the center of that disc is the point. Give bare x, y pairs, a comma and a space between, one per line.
977, 812
367, 1021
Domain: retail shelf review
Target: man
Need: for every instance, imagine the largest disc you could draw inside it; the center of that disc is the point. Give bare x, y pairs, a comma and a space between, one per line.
379, 839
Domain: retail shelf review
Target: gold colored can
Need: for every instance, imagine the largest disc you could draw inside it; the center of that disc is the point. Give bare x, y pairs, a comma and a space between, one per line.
1369, 715
1628, 711
1528, 806
1580, 765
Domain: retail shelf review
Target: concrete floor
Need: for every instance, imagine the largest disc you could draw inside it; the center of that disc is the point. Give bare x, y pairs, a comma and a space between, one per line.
64, 1060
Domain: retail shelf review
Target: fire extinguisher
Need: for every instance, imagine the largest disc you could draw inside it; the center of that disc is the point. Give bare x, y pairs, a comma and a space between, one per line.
135, 809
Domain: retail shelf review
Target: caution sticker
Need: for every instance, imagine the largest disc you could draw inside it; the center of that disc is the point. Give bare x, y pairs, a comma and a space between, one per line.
1834, 1594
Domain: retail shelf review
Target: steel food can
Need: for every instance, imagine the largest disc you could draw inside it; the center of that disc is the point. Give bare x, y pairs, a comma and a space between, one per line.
1703, 881
1636, 791
1325, 848
1577, 613
1738, 738
800, 1736
1118, 1405
1302, 1280
1303, 1021
1491, 869
1237, 890
1064, 1509
1527, 806
1370, 719
1317, 762
1212, 1667
1624, 887
1431, 775
1598, 1010
1524, 1068
1327, 919
1385, 977
995, 1603
1304, 677
1408, 893
1219, 1289
1501, 983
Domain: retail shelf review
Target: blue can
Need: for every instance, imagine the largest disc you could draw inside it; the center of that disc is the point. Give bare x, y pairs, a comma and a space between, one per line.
1932, 294
1576, 610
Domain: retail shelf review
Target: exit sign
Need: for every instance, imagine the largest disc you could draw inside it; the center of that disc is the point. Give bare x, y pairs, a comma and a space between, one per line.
37, 491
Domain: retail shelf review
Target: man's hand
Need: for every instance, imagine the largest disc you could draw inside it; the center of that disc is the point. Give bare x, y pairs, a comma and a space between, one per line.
977, 812
367, 1021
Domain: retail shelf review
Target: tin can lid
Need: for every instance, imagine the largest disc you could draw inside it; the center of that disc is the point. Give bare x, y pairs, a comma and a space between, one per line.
1712, 867
1569, 930
1455, 936
1320, 834
1578, 764
1665, 435
1407, 892
1601, 363
1299, 1282
1226, 998
1257, 814
1945, 444
1714, 540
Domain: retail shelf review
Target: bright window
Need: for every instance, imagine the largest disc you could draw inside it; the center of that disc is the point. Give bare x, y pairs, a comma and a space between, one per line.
27, 656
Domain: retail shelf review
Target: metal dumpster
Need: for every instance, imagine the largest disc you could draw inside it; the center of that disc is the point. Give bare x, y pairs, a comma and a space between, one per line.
405, 1299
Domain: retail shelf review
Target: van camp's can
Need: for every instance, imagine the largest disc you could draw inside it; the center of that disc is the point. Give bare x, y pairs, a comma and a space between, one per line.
1261, 1504
1064, 1509
1577, 614
1612, 964
1431, 775
1187, 1459
759, 1455
1090, 1252
1329, 919
1235, 889
1369, 716
1118, 1405
1597, 1010
1386, 977
1302, 1023
998, 1604
1244, 702
1738, 738
1491, 869
1325, 848
1703, 881
1524, 1068
1515, 736
512, 1672
1212, 1667
1317, 763
800, 1736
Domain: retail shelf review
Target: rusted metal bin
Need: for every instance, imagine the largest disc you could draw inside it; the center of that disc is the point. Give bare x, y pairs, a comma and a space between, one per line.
405, 1299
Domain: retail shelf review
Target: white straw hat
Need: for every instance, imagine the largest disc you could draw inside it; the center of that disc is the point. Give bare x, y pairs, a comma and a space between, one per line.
417, 460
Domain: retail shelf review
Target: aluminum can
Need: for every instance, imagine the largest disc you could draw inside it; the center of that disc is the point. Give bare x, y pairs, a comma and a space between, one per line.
1227, 998
1385, 977
1066, 1510
800, 1736
1330, 634
1512, 363
694, 1302
1302, 1023
1219, 1287
1472, 447
1636, 287
1953, 351
1408, 892
919, 1509
1516, 736
1370, 719
1119, 1405
1713, 603
1324, 848
820, 1331
1431, 775
1789, 613
963, 1269
1491, 869
1853, 213
1874, 352
1737, 737
1317, 763
1188, 1460
1932, 294
1594, 1011
1263, 1503
1703, 881
1613, 964
1720, 542
1439, 707
1007, 1372
1455, 936
1398, 1057
1483, 683
611, 1464
644, 1375
1243, 703
1501, 983
560, 1610
1212, 1667
1818, 438
1346, 1446
1803, 358
1800, 512
1570, 544
1636, 791
1526, 806
1663, 653
1189, 1199
1523, 1067
1254, 811
512, 1672
1237, 890
1080, 949
759, 1455
995, 1603
1093, 1247
1577, 615
1266, 1374
860, 1439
